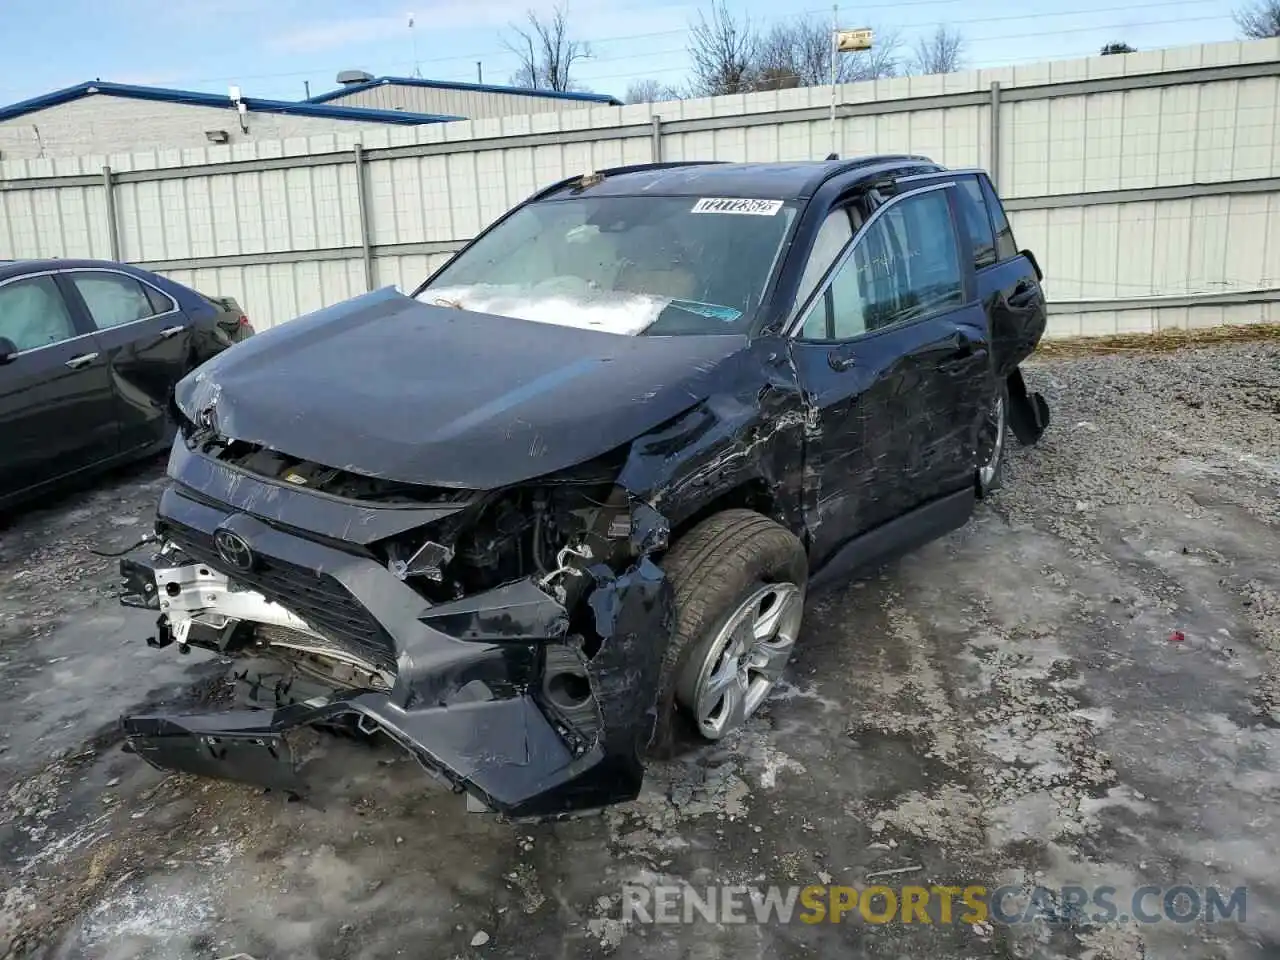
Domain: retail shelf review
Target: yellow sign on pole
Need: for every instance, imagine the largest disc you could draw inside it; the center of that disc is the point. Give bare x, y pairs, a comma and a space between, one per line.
851, 41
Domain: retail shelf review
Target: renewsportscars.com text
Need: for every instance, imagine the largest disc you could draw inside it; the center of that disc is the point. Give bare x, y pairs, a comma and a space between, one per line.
913, 904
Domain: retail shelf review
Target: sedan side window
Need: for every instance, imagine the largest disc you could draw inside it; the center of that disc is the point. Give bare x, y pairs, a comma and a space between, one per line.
904, 267
160, 302
33, 314
113, 299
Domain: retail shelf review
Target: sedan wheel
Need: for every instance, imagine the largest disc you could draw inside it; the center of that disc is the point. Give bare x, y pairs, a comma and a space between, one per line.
726, 683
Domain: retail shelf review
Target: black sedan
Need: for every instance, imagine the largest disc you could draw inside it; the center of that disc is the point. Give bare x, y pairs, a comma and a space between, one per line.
89, 354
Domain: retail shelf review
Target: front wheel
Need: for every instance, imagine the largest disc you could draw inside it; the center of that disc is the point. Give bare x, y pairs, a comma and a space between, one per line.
739, 581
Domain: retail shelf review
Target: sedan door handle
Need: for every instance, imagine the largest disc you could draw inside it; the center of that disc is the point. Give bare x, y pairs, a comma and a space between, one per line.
83, 360
168, 332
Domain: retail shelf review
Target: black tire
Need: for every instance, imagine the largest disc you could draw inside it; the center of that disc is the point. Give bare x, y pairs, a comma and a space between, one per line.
712, 568
995, 479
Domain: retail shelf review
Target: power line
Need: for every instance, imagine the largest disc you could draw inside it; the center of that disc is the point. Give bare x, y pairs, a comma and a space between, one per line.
630, 38
1011, 36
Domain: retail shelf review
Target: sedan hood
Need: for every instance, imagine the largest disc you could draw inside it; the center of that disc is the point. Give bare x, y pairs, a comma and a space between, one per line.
388, 387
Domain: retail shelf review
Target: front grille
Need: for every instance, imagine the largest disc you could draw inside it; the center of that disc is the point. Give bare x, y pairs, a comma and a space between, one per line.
332, 667
317, 598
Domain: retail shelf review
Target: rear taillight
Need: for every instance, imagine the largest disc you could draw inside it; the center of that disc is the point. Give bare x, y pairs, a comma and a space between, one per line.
244, 321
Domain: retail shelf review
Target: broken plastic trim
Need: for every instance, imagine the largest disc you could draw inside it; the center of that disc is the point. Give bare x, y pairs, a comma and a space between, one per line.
1028, 412
508, 752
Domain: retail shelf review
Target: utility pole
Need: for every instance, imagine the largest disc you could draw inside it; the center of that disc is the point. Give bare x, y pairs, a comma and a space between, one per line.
844, 41
413, 38
479, 72
306, 87
835, 53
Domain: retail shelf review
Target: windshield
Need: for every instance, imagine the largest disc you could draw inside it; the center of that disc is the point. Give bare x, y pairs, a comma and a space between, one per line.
657, 266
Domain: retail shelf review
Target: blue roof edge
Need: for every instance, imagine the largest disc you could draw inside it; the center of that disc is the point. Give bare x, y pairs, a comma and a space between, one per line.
603, 99
303, 108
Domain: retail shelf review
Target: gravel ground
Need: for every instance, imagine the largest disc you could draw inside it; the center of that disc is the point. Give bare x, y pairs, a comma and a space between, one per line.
1080, 687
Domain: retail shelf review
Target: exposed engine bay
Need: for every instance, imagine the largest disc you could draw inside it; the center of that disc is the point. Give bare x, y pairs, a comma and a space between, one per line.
545, 530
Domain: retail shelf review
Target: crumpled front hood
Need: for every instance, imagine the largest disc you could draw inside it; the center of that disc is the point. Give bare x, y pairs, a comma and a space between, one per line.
388, 387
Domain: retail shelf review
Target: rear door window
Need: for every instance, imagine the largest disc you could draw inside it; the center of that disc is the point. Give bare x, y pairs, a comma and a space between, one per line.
982, 237
113, 299
1006, 249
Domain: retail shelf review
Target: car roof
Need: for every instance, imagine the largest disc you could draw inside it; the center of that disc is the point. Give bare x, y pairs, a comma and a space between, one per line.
791, 180
11, 268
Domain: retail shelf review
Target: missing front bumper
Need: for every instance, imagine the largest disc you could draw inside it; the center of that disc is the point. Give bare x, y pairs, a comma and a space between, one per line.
504, 753
467, 702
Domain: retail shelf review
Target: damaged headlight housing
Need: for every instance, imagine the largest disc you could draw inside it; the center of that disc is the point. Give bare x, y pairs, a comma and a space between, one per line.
562, 537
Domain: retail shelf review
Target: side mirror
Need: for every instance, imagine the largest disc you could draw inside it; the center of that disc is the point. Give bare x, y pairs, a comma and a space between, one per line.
1035, 264
8, 350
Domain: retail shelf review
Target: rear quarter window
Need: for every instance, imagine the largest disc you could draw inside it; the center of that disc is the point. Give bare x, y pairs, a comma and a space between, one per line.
160, 302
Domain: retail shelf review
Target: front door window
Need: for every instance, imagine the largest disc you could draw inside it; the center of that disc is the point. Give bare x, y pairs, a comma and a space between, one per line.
902, 268
33, 314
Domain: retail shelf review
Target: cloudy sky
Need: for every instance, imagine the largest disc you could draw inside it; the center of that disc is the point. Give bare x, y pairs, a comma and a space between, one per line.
273, 48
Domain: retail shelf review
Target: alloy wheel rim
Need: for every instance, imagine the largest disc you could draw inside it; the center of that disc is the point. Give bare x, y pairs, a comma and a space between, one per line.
744, 661
995, 420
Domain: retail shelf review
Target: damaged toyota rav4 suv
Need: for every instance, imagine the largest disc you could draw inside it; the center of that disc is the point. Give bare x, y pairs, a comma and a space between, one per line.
567, 498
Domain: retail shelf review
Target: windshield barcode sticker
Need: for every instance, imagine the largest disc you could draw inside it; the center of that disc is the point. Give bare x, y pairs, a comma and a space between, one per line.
758, 208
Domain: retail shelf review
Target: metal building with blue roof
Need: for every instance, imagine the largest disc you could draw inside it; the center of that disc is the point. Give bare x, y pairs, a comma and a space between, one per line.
472, 100
103, 118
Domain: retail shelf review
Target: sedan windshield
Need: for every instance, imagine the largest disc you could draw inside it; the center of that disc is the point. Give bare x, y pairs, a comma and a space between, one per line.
657, 266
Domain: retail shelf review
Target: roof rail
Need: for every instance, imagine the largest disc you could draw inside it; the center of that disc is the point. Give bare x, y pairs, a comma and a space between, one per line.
616, 171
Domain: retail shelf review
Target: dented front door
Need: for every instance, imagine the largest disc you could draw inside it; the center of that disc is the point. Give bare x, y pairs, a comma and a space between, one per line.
894, 360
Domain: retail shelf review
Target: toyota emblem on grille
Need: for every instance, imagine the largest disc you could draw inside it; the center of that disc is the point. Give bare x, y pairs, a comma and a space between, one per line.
233, 549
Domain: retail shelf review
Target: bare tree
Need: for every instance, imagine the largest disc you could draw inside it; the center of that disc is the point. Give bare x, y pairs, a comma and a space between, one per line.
723, 51
651, 91
797, 53
1259, 20
546, 53
939, 52
883, 60
1117, 47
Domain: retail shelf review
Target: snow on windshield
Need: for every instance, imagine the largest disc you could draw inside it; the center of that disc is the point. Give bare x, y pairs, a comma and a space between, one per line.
623, 313
657, 266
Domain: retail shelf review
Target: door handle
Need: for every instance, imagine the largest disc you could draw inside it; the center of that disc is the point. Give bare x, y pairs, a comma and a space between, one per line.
1023, 294
168, 332
840, 362
83, 360
961, 346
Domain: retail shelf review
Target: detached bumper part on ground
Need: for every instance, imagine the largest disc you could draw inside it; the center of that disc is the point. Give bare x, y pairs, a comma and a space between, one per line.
469, 699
